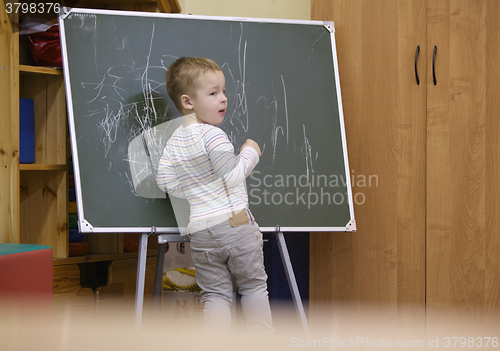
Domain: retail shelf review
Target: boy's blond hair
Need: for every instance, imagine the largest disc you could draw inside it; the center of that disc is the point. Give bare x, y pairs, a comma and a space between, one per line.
181, 76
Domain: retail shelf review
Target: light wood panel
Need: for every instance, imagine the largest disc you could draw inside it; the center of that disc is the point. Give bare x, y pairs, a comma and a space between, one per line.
171, 6
9, 127
47, 90
385, 116
44, 192
68, 293
105, 243
44, 210
119, 293
463, 245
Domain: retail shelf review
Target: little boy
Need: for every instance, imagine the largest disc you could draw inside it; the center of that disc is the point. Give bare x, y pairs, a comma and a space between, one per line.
199, 164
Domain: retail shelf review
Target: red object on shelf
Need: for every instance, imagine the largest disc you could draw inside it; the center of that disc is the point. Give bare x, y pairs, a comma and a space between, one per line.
131, 242
46, 47
79, 248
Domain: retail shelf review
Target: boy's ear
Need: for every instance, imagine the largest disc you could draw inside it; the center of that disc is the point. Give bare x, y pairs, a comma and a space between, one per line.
186, 102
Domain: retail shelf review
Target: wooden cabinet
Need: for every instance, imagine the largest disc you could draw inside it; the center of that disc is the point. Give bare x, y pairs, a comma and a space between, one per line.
384, 113
428, 231
463, 157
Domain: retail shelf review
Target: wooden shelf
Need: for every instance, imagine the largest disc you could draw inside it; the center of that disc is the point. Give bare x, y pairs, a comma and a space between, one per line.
25, 70
99, 257
41, 167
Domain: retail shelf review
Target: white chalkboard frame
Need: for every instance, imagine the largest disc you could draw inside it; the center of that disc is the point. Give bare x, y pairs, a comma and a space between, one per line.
87, 227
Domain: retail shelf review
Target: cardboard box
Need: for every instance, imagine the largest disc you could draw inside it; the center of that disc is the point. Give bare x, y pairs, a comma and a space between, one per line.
182, 308
185, 309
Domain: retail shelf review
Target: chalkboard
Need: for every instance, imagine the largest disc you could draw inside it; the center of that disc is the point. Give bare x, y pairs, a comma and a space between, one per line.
283, 92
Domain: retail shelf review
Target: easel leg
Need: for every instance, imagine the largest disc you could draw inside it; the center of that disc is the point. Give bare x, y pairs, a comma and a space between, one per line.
141, 278
158, 282
292, 282
163, 239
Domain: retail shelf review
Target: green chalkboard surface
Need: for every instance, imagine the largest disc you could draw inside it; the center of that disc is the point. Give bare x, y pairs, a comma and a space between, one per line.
283, 92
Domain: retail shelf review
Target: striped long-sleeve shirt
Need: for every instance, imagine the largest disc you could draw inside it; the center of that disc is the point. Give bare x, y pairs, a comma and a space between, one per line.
199, 164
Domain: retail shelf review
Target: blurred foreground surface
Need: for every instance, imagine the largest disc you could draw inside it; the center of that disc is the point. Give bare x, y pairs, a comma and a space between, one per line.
371, 327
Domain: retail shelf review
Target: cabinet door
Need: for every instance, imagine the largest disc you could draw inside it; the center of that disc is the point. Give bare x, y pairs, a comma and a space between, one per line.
463, 156
385, 116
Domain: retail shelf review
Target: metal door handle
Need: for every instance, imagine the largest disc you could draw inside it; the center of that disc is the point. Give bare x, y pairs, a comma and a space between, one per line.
434, 66
416, 70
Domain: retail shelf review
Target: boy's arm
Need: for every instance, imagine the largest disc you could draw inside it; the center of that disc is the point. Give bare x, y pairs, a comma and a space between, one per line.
166, 177
253, 145
232, 169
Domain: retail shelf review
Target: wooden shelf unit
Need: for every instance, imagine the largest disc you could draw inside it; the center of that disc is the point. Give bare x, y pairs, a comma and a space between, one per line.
34, 197
100, 257
43, 184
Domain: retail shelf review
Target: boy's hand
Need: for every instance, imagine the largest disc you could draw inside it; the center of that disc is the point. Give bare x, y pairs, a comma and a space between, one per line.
253, 145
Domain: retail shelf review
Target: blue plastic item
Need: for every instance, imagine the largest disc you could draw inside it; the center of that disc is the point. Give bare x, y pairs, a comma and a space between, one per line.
26, 131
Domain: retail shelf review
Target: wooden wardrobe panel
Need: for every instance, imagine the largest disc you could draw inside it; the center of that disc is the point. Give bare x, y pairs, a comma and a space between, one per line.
385, 116
463, 157
492, 120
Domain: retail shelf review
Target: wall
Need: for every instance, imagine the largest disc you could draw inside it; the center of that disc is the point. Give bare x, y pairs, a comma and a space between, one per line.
288, 9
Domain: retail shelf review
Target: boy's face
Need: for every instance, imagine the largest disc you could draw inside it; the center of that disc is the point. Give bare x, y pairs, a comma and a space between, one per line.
209, 102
